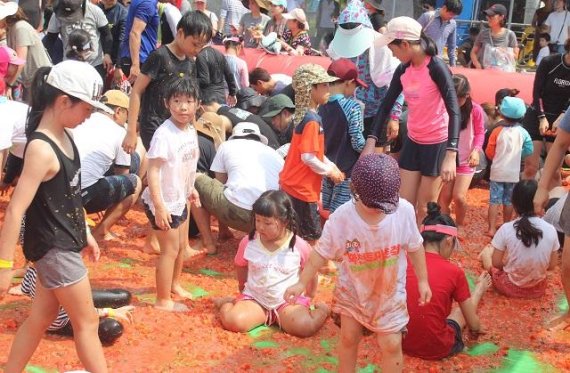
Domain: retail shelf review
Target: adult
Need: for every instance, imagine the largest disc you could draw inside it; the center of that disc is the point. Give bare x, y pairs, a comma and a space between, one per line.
77, 14
376, 14
249, 100
550, 98
34, 11
169, 16
214, 75
552, 167
232, 116
245, 167
99, 141
429, 153
141, 35
557, 25
201, 5
116, 14
496, 47
231, 12
24, 39
277, 23
355, 39
270, 84
540, 16
278, 110
441, 27
252, 24
296, 39
327, 11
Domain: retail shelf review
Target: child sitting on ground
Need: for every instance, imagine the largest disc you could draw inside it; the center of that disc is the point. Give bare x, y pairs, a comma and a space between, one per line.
269, 260
509, 143
370, 238
434, 330
172, 161
523, 250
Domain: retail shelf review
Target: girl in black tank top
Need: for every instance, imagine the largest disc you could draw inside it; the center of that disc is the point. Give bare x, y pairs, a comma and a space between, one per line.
48, 192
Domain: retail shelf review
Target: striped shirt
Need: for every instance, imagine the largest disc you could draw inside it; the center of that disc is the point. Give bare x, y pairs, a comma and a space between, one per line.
29, 289
231, 12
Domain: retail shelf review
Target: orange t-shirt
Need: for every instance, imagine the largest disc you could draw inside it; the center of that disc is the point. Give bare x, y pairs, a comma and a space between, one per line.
296, 178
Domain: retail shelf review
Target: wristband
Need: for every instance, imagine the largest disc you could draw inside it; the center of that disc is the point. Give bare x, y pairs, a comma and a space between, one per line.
6, 264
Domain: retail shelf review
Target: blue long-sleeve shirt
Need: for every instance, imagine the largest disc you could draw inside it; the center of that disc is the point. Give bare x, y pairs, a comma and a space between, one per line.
441, 32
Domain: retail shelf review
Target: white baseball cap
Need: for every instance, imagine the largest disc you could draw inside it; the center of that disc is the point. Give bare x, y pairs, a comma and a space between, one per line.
7, 9
80, 80
403, 28
244, 129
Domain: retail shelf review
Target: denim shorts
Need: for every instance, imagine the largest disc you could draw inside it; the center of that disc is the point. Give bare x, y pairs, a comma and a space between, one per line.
59, 268
501, 193
107, 192
177, 220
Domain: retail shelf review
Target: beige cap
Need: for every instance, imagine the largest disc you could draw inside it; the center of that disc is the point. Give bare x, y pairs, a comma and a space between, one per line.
115, 97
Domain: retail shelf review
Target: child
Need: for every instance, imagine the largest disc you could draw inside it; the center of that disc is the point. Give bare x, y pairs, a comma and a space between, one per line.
272, 246
471, 138
173, 158
49, 194
434, 331
370, 238
508, 144
305, 165
194, 31
238, 67
79, 46
523, 250
543, 41
343, 125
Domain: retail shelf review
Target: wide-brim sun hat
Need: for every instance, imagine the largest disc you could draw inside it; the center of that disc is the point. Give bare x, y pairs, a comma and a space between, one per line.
80, 80
350, 43
401, 28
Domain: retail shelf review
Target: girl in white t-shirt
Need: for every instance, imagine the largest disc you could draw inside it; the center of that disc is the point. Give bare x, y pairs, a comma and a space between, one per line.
172, 161
268, 261
369, 237
523, 250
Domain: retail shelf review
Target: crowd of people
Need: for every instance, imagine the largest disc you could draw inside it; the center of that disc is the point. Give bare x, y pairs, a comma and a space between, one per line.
351, 167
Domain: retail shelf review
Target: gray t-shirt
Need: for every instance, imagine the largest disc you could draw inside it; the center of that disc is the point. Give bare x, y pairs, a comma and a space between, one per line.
22, 34
505, 39
248, 21
93, 20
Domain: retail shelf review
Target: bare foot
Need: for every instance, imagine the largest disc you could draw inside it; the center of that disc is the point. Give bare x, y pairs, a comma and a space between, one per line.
16, 290
486, 257
483, 283
181, 292
219, 302
171, 306
328, 268
108, 236
190, 254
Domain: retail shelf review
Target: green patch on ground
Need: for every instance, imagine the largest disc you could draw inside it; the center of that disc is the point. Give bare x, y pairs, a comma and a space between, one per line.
370, 368
37, 369
482, 349
562, 303
470, 281
297, 351
149, 298
196, 291
13, 305
518, 361
265, 344
210, 272
260, 331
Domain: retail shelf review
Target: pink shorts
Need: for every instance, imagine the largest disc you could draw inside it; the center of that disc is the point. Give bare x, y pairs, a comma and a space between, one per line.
272, 315
503, 284
465, 170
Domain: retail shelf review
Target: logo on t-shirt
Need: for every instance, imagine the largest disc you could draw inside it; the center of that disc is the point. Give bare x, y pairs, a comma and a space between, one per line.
352, 245
562, 83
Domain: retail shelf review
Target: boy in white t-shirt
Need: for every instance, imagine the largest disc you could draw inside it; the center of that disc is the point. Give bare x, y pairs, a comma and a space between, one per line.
370, 238
173, 159
543, 41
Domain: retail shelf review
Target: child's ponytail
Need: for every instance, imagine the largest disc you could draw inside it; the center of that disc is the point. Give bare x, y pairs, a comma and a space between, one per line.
43, 96
523, 195
435, 217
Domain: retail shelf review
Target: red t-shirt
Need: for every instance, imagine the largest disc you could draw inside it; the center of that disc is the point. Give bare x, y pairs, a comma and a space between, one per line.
297, 179
429, 336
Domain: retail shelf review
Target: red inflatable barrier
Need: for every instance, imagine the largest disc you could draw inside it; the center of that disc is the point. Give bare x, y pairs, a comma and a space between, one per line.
484, 83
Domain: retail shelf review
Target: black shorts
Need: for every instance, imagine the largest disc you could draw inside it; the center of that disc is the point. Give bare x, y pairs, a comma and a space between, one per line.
308, 219
107, 192
458, 345
425, 158
530, 124
177, 220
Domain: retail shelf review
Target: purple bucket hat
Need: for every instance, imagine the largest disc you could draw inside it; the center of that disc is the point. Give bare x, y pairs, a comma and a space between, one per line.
376, 181
355, 12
